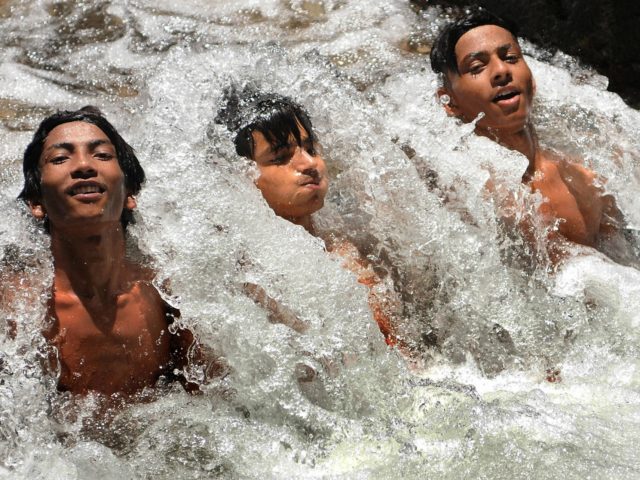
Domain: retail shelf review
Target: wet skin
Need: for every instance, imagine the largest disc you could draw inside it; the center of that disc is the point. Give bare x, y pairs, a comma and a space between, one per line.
493, 78
107, 321
120, 348
293, 178
81, 181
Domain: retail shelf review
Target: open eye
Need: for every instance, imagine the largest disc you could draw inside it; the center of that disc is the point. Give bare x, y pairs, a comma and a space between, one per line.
283, 155
104, 155
58, 159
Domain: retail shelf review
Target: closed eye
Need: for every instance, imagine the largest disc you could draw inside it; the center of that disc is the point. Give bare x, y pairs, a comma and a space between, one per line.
282, 156
475, 67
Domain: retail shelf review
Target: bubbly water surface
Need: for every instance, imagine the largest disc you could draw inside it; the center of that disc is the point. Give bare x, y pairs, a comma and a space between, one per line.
483, 308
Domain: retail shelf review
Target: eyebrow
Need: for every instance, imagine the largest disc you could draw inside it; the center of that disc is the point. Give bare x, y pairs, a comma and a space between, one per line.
481, 53
70, 146
303, 141
280, 146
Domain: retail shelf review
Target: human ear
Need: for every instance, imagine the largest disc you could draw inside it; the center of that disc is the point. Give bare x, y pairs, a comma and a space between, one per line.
130, 202
447, 102
37, 210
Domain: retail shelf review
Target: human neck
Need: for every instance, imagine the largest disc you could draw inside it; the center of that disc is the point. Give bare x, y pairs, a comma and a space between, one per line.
305, 222
89, 262
524, 141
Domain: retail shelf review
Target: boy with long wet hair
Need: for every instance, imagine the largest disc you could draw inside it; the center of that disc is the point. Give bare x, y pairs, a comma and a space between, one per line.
133, 173
107, 322
276, 133
486, 79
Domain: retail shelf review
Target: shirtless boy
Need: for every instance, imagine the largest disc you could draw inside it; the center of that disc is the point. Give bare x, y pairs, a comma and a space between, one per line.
107, 322
276, 133
484, 72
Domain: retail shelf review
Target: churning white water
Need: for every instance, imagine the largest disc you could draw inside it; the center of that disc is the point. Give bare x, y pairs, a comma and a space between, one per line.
483, 308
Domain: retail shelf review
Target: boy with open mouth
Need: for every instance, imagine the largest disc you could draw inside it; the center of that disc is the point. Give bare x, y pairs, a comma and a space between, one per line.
486, 79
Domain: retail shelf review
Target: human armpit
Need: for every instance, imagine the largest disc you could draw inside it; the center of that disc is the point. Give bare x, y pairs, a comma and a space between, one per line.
276, 312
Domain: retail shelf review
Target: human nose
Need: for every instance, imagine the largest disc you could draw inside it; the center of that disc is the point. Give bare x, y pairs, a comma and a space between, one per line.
501, 72
83, 166
304, 161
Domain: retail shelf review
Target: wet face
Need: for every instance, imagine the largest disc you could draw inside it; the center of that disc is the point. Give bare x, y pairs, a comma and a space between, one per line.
293, 179
81, 180
492, 78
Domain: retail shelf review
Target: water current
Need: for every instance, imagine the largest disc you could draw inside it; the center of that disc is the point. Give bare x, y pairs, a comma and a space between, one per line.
483, 309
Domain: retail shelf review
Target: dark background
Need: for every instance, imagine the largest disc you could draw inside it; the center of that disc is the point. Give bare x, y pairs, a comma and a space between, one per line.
604, 34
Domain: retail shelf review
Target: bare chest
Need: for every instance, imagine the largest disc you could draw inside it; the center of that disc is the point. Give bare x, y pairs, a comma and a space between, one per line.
122, 348
574, 202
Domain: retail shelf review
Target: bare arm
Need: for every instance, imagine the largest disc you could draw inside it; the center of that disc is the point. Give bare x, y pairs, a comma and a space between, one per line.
574, 209
277, 313
613, 236
383, 301
617, 240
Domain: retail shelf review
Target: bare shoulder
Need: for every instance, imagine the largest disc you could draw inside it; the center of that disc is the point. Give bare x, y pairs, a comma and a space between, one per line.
148, 299
570, 169
140, 279
142, 292
547, 174
140, 273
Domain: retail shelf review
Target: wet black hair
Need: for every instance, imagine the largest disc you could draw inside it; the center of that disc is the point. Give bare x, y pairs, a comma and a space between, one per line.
443, 54
134, 175
273, 115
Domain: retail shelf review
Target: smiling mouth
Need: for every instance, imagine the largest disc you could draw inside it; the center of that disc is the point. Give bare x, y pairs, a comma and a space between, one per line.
507, 95
85, 189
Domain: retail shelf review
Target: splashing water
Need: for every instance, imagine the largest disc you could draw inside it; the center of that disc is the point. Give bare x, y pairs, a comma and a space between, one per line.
480, 305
